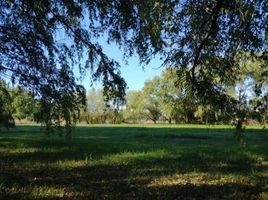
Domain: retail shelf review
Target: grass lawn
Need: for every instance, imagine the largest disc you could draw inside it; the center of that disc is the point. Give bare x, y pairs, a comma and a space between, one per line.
134, 162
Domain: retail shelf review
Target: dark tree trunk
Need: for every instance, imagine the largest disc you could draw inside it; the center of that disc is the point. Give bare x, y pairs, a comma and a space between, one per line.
238, 125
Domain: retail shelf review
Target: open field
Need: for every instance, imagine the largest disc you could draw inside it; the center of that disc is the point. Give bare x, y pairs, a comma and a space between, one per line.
134, 162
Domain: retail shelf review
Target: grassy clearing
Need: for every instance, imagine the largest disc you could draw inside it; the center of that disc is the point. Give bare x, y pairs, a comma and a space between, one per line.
134, 162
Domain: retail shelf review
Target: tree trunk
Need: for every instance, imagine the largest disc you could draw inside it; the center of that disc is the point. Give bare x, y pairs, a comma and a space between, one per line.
239, 130
238, 125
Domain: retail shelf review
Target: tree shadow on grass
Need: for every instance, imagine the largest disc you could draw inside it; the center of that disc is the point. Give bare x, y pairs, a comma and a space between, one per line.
131, 171
132, 180
118, 182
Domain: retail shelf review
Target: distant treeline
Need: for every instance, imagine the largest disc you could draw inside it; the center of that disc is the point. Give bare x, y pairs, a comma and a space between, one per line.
162, 99
166, 99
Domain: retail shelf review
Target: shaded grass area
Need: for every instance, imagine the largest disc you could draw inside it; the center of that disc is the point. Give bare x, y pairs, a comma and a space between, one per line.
134, 162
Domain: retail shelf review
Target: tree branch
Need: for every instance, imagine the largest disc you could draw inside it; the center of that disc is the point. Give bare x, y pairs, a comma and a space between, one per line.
213, 19
83, 40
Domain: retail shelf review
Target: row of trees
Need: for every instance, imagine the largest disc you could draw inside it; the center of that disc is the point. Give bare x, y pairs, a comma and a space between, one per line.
166, 99
162, 99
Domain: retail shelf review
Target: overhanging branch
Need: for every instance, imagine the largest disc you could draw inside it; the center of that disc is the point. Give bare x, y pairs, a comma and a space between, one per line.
213, 19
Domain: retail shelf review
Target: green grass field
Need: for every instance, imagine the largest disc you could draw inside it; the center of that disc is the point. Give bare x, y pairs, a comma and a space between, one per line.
134, 162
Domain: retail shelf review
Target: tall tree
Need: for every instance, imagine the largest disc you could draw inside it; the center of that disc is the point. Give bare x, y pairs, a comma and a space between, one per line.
144, 104
259, 73
24, 104
169, 94
151, 99
134, 106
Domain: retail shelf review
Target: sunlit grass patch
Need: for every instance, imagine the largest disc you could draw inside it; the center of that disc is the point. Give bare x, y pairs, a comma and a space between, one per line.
69, 164
133, 157
201, 178
47, 192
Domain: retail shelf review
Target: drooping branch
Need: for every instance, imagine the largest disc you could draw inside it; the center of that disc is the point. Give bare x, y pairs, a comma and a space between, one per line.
13, 71
83, 40
213, 20
114, 84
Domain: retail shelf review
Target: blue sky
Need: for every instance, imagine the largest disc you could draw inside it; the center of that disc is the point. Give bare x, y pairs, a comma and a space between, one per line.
134, 74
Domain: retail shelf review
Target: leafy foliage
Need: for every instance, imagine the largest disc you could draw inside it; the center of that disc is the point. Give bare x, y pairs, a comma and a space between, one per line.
16, 103
6, 110
40, 44
203, 39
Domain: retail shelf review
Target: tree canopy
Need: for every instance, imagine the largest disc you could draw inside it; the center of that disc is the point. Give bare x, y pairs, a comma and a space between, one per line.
41, 41
205, 40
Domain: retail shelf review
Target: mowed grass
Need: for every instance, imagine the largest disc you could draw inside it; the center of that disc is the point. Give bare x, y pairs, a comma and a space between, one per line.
134, 162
